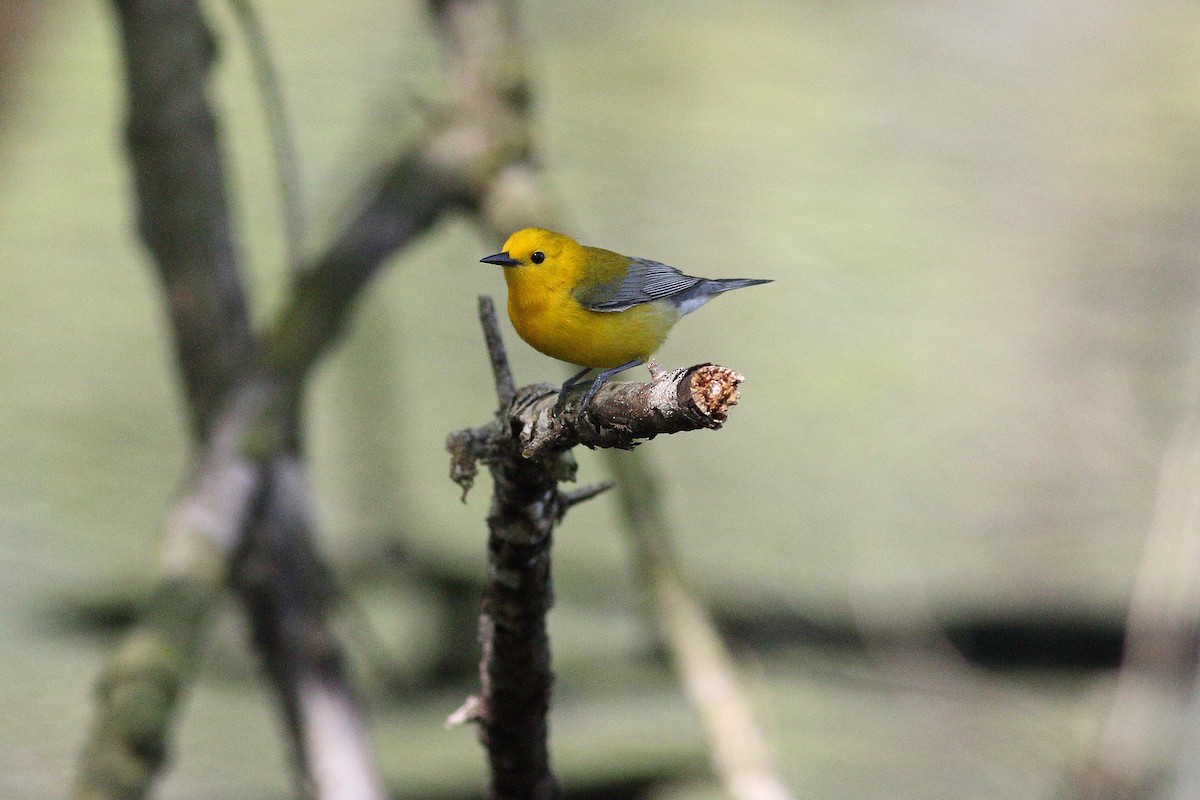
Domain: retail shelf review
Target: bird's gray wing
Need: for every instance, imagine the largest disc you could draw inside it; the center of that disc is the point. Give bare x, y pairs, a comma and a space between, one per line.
644, 282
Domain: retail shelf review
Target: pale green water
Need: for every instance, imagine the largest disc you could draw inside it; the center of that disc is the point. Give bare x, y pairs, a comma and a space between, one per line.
981, 222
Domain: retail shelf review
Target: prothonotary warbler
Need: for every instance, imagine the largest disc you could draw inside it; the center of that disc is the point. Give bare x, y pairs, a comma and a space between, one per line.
595, 308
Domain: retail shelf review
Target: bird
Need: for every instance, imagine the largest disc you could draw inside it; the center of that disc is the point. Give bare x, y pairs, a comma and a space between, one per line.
593, 307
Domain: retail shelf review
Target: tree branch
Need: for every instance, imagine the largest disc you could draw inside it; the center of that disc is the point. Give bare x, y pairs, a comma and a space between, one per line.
288, 591
287, 165
501, 372
514, 670
243, 399
621, 414
184, 220
182, 210
1140, 732
526, 448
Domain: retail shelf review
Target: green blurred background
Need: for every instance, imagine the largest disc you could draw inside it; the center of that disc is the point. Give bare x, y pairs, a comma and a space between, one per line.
982, 223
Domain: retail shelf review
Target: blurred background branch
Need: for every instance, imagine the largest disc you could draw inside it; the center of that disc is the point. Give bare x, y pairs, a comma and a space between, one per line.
184, 220
740, 753
1146, 737
245, 402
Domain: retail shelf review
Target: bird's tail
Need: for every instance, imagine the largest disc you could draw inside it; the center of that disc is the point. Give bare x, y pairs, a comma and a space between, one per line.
725, 284
707, 289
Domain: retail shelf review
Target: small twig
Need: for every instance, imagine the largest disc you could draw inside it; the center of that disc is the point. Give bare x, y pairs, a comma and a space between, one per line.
568, 500
501, 372
287, 165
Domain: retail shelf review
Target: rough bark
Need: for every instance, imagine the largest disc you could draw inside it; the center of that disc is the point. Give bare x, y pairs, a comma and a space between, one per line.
526, 448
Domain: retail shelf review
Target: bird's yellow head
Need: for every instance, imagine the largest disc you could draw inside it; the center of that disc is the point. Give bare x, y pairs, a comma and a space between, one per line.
535, 247
538, 264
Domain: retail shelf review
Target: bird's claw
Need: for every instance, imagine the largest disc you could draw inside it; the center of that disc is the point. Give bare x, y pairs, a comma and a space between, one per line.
560, 403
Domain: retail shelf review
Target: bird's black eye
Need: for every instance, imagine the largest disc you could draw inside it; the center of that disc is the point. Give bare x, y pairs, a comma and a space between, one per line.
537, 257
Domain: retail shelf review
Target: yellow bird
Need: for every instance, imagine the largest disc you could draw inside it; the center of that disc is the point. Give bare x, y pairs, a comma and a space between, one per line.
593, 307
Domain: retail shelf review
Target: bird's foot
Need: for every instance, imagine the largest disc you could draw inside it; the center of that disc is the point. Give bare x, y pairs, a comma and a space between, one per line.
561, 402
587, 396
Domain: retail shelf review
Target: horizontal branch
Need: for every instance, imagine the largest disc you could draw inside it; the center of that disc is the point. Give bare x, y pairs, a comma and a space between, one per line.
620, 414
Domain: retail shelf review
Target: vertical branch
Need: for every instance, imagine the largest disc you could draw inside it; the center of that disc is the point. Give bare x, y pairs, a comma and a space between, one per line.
1132, 748
487, 81
515, 668
184, 220
515, 671
288, 592
526, 504
501, 372
287, 167
182, 211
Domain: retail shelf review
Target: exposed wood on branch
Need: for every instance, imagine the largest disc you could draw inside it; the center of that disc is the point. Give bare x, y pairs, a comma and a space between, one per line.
621, 414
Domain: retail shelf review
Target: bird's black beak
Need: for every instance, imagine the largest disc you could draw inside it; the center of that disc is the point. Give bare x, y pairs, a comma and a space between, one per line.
501, 259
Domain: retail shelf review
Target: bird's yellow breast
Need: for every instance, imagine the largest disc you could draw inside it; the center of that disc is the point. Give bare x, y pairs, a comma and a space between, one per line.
547, 315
